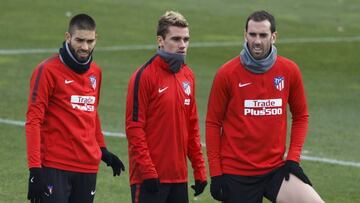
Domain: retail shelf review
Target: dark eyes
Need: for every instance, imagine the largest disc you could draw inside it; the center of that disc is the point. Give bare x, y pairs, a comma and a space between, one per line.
84, 40
177, 39
261, 35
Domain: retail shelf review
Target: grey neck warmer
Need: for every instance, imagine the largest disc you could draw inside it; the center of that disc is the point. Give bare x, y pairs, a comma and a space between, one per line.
175, 61
254, 65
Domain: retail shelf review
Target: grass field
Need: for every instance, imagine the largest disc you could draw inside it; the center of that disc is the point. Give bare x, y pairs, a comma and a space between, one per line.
322, 36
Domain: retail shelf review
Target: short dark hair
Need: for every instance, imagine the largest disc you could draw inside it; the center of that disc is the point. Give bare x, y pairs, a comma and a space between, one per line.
258, 16
81, 22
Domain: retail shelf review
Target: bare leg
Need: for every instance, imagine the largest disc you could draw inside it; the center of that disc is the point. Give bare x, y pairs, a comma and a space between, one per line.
296, 191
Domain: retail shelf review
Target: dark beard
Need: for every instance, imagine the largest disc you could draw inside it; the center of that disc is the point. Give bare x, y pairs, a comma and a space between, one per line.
70, 61
72, 50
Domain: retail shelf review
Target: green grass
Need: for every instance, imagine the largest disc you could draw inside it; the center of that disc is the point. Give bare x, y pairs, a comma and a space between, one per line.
330, 71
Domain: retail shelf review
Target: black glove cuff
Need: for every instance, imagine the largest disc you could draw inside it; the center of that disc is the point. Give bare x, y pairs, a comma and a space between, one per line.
104, 150
106, 156
200, 182
291, 163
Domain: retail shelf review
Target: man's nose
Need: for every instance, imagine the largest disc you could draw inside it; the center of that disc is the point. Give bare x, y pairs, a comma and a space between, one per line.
84, 46
182, 44
257, 40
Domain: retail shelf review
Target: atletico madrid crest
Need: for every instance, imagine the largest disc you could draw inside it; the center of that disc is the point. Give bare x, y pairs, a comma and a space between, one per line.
186, 87
279, 83
93, 81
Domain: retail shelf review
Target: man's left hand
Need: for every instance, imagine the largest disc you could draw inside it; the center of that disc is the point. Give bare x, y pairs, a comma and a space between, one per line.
294, 168
112, 160
199, 187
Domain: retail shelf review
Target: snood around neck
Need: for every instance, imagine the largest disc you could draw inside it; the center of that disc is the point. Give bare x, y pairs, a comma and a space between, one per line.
68, 58
254, 65
174, 60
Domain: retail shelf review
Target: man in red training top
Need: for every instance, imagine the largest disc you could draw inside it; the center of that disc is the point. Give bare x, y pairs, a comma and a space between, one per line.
161, 120
246, 123
63, 133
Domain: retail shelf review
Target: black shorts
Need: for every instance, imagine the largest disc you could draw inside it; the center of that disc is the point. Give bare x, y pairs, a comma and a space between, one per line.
70, 187
168, 193
252, 189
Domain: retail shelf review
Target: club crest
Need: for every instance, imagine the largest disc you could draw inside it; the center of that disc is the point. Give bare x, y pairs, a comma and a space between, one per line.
279, 83
186, 87
93, 81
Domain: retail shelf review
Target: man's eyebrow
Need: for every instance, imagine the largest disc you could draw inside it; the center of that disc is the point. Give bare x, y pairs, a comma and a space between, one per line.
259, 33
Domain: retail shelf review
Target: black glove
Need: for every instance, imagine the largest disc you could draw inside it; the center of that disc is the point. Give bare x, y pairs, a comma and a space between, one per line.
199, 187
37, 187
112, 160
151, 185
294, 168
218, 188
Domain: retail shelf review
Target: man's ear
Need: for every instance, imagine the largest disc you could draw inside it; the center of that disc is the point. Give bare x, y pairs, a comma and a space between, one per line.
67, 37
245, 40
160, 41
273, 37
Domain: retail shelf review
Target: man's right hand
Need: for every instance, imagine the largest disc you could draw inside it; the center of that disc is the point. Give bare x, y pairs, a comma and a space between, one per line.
218, 188
36, 185
151, 185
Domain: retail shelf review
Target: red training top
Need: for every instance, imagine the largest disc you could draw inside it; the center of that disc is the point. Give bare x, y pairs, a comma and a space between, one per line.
62, 123
162, 124
246, 121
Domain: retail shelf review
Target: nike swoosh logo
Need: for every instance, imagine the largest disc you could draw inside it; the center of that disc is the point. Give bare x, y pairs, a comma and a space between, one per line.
163, 89
68, 81
92, 192
244, 84
32, 179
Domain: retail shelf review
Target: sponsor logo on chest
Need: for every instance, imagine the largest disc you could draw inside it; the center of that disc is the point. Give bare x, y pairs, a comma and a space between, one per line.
263, 107
83, 103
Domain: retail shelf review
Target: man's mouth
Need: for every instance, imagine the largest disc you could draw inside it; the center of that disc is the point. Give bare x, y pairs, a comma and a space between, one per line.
257, 50
83, 54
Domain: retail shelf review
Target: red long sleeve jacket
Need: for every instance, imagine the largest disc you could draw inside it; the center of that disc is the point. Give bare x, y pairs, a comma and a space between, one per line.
62, 123
246, 123
162, 124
